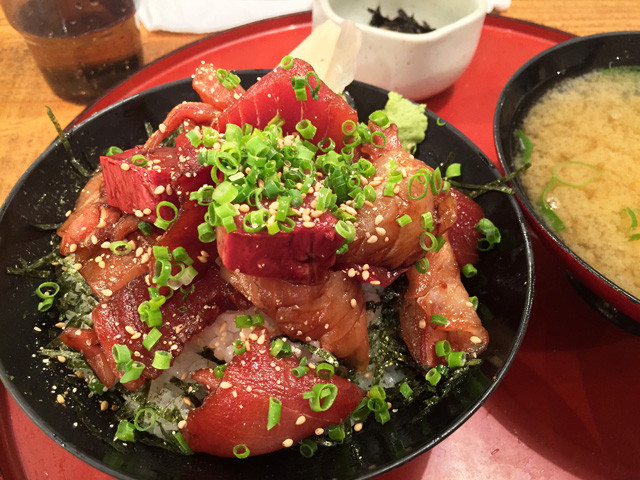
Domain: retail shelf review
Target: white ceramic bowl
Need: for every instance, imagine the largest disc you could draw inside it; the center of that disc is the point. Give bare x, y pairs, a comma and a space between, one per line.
414, 65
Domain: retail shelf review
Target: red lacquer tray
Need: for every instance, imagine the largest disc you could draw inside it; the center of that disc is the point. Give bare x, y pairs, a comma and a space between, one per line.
567, 408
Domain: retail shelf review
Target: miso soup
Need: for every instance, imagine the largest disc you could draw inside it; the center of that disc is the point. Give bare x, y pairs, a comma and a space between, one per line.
585, 169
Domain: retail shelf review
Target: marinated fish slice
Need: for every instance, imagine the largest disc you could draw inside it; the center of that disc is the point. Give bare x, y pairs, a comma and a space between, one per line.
332, 312
440, 292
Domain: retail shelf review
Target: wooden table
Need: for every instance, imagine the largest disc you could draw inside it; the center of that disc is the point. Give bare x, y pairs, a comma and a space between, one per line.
26, 130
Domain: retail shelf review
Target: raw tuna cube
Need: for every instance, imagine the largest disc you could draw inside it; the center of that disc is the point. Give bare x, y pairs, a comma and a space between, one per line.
274, 95
136, 189
463, 235
235, 411
300, 256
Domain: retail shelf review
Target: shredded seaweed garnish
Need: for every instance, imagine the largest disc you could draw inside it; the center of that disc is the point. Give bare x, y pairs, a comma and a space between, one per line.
40, 268
498, 185
64, 140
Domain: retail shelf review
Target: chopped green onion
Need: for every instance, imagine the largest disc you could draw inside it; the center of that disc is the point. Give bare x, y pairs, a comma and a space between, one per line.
132, 371
239, 347
273, 417
438, 319
206, 233
346, 230
422, 177
120, 247
491, 234
306, 129
443, 348
227, 79
194, 138
453, 170
46, 296
112, 151
379, 118
404, 220
280, 348
526, 144
121, 355
139, 417
287, 62
125, 432
426, 221
474, 302
299, 85
161, 360
405, 390
321, 396
152, 338
182, 444
325, 370
422, 265
241, 451
456, 359
433, 376
469, 270
139, 160
336, 432
162, 222
308, 448
145, 228
218, 370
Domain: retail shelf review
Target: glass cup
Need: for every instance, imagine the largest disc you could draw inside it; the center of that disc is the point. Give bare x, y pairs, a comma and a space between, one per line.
82, 47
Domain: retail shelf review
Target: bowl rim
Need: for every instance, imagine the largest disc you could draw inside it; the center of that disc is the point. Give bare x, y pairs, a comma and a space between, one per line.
478, 13
630, 301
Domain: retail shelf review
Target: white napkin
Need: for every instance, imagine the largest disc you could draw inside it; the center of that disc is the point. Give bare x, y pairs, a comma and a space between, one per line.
203, 16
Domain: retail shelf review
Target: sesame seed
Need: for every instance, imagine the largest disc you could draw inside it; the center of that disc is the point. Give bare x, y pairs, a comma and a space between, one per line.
124, 166
60, 325
381, 231
475, 339
159, 190
357, 427
73, 247
105, 244
77, 267
422, 324
181, 424
60, 399
106, 292
372, 239
147, 211
365, 275
301, 419
353, 303
225, 385
287, 443
187, 401
104, 405
308, 224
351, 273
378, 219
62, 359
68, 213
136, 336
319, 431
244, 208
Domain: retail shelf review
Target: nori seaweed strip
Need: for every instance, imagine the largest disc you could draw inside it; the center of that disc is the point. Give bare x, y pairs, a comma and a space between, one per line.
67, 146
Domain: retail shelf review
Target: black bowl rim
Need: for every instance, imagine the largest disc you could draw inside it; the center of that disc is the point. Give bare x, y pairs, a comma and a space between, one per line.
24, 403
503, 156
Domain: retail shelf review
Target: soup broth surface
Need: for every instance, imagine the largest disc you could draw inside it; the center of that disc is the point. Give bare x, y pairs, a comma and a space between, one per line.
586, 133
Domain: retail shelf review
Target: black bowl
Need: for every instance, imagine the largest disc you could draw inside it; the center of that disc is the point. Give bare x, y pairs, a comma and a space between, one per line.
48, 189
568, 59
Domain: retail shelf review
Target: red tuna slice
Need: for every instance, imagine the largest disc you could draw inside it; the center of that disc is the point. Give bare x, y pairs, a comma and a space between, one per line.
136, 189
463, 235
210, 88
300, 256
235, 411
183, 315
273, 95
86, 342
